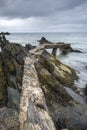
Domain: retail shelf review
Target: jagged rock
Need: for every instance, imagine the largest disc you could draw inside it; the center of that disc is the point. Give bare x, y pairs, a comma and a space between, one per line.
41, 81
5, 33
43, 40
67, 49
12, 61
29, 46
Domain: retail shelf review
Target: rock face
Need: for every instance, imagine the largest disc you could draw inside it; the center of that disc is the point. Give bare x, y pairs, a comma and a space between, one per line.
3, 85
12, 68
34, 84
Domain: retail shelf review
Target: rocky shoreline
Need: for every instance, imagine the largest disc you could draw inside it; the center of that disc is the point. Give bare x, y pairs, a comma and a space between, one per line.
37, 91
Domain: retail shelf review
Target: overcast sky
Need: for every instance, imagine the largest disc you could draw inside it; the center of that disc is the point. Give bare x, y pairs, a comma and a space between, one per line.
43, 15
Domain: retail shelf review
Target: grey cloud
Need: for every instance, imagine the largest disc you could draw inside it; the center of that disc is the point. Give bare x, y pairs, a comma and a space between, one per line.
34, 8
43, 15
2, 3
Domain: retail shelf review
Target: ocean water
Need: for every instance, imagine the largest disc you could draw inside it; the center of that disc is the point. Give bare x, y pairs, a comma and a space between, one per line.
78, 61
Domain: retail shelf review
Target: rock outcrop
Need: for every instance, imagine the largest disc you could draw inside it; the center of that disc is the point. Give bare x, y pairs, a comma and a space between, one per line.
35, 91
48, 101
4, 33
64, 49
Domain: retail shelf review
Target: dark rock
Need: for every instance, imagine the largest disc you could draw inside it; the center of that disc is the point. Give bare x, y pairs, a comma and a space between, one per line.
67, 49
43, 40
29, 46
3, 84
5, 33
77, 51
3, 41
86, 90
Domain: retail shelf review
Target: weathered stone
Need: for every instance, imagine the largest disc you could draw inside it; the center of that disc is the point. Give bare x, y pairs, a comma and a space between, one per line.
9, 119
3, 85
34, 114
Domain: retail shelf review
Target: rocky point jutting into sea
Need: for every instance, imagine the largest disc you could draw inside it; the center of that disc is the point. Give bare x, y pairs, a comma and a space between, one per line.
37, 91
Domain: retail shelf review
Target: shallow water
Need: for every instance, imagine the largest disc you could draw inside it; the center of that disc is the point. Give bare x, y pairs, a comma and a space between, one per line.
78, 61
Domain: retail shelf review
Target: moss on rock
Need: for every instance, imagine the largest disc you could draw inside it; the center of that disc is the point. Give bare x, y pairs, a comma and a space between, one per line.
61, 72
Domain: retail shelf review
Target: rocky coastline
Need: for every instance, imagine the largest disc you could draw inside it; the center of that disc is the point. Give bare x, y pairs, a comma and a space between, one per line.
37, 91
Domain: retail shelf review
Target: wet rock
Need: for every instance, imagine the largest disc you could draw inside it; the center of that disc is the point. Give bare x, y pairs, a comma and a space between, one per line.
67, 49
13, 60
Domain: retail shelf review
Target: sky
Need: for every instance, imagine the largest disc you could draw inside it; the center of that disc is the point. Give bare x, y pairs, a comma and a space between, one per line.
43, 15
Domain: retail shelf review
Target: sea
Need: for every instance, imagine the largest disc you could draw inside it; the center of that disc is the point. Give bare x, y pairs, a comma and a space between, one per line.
78, 40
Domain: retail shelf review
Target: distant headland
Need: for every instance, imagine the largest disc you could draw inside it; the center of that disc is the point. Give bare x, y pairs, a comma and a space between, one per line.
5, 33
